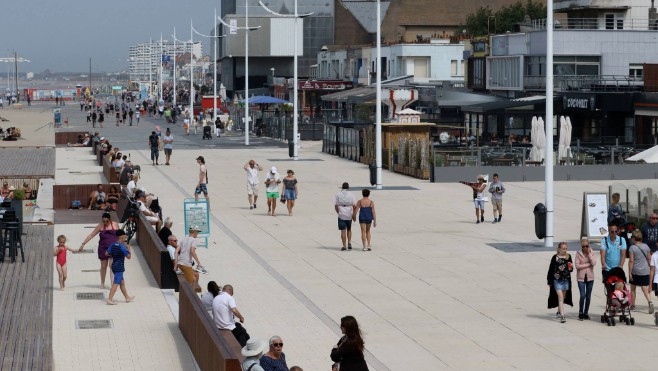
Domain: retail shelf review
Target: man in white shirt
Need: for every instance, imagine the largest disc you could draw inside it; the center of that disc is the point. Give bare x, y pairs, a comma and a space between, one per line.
186, 255
252, 169
132, 186
150, 215
224, 311
344, 206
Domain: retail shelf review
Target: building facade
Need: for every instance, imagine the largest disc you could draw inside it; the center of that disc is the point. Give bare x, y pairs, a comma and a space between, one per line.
145, 58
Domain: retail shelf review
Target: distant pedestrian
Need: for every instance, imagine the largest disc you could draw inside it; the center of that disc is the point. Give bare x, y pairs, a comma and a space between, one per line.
60, 258
186, 126
274, 359
101, 118
272, 187
349, 350
344, 206
585, 263
89, 115
119, 251
154, 143
94, 116
130, 116
252, 169
558, 279
202, 184
219, 126
168, 140
137, 114
497, 188
290, 190
478, 198
365, 207
117, 116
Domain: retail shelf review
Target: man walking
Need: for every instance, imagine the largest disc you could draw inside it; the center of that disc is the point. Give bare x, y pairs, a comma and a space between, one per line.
344, 206
478, 200
224, 311
186, 255
252, 169
130, 116
497, 188
168, 145
119, 251
613, 251
650, 232
202, 185
153, 144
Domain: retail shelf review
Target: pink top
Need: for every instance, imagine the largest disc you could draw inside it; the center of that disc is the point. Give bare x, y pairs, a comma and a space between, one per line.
585, 266
620, 295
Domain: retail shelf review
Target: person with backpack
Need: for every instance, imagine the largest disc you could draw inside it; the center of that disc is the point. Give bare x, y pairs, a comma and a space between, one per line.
613, 252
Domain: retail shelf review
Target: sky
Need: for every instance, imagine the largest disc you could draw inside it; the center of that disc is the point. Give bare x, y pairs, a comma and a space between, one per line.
63, 35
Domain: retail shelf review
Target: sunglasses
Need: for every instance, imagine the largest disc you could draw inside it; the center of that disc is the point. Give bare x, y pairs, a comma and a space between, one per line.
585, 246
653, 218
278, 345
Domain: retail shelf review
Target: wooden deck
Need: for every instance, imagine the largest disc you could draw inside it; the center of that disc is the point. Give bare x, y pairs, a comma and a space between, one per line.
26, 303
34, 162
82, 216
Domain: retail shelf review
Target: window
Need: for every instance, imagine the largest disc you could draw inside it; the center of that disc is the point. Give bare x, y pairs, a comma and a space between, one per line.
614, 21
636, 71
576, 65
453, 68
463, 68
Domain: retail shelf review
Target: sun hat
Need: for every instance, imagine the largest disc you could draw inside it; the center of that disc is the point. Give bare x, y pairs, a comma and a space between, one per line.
253, 348
194, 227
12, 188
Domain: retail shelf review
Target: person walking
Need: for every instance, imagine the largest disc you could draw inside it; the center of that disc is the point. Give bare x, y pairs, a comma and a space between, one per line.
60, 258
653, 276
478, 198
613, 251
290, 191
252, 169
274, 359
130, 116
639, 258
349, 350
558, 279
154, 143
137, 114
119, 251
272, 188
219, 126
497, 188
168, 140
650, 232
365, 207
186, 256
585, 263
344, 206
202, 185
107, 235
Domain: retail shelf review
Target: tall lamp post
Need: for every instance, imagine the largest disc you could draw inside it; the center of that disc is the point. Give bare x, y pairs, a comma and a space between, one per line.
246, 66
214, 113
160, 67
174, 74
378, 115
15, 60
191, 75
548, 175
295, 115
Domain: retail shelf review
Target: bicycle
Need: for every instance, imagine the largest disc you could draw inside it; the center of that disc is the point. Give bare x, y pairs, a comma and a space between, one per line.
129, 219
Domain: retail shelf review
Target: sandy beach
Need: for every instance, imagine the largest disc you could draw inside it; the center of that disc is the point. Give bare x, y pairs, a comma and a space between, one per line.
33, 122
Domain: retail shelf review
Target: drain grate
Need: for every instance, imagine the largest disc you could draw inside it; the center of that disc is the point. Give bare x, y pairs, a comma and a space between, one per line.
93, 324
90, 270
86, 251
90, 296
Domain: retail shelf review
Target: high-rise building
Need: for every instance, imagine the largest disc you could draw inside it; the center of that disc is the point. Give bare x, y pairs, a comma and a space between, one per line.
144, 58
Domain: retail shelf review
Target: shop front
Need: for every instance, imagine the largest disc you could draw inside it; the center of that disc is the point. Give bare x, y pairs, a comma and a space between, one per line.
646, 119
601, 118
311, 92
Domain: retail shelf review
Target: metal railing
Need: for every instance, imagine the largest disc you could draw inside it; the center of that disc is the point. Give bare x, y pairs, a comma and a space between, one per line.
604, 83
598, 24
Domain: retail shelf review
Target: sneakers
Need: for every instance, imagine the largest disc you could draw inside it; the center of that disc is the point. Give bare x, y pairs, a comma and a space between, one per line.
343, 248
581, 316
349, 246
632, 307
500, 218
650, 307
251, 207
563, 320
494, 221
200, 269
586, 316
254, 205
179, 272
482, 219
557, 315
477, 222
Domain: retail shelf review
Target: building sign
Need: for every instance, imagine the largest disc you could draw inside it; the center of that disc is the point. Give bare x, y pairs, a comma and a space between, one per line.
325, 85
579, 102
234, 26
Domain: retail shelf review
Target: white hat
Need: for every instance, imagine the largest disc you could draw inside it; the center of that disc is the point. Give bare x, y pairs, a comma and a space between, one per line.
194, 227
273, 171
254, 347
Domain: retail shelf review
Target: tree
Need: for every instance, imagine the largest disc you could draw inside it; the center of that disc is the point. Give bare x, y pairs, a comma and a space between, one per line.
485, 21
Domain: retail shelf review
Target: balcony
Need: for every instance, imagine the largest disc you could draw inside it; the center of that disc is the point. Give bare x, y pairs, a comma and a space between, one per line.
605, 83
599, 24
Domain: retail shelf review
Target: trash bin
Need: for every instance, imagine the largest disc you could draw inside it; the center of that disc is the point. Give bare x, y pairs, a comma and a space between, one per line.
291, 148
373, 173
540, 220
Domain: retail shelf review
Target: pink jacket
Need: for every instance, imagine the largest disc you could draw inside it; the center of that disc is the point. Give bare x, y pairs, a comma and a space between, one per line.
585, 265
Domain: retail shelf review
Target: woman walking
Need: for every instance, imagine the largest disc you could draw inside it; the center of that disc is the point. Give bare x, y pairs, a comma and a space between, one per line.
585, 263
290, 191
367, 217
349, 350
638, 266
558, 279
107, 235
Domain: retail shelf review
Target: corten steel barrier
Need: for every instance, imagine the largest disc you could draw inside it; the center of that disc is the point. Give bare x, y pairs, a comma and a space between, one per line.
63, 195
213, 349
156, 255
99, 156
66, 137
111, 173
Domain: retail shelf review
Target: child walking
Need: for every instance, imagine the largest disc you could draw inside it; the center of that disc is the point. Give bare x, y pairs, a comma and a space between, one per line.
119, 251
60, 258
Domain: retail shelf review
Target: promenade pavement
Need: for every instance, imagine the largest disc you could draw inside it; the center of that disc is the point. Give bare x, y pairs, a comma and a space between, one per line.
436, 292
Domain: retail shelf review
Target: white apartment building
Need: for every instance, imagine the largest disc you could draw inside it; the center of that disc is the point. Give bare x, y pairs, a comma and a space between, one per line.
144, 58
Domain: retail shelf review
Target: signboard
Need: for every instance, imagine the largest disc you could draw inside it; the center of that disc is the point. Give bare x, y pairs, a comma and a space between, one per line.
579, 102
325, 85
233, 30
196, 213
595, 215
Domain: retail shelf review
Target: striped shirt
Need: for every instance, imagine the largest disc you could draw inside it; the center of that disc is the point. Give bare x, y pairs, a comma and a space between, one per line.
118, 252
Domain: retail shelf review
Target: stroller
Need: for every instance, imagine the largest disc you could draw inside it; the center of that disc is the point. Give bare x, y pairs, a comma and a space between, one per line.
207, 132
612, 305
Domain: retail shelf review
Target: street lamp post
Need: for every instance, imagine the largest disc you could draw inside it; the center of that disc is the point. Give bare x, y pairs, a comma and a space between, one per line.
161, 68
214, 114
15, 60
246, 67
295, 115
174, 74
548, 169
378, 115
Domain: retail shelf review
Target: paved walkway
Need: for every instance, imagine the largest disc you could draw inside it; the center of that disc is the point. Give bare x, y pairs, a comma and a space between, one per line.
433, 294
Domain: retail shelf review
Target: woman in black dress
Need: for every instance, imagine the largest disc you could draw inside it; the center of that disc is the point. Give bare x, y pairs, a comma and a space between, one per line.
349, 350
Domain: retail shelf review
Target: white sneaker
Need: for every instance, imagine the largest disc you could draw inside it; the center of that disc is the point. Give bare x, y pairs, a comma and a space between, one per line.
200, 269
179, 272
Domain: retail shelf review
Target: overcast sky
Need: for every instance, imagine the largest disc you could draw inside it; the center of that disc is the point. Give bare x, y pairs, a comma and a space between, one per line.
63, 35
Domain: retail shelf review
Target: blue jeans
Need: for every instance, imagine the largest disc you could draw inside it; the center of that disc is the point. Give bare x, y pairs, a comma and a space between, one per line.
585, 289
155, 153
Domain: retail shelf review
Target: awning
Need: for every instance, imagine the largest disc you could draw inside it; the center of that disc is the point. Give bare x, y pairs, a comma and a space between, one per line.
354, 96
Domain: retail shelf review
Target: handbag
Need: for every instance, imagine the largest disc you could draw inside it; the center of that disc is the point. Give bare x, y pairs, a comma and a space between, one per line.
283, 199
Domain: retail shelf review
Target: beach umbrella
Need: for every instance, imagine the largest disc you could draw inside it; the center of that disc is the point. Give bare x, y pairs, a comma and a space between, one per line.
541, 138
534, 155
561, 150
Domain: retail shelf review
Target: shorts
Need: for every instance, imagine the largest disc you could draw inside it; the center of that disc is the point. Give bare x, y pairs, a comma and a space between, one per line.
272, 194
561, 285
344, 224
201, 188
168, 151
479, 204
252, 189
118, 278
497, 205
640, 280
188, 273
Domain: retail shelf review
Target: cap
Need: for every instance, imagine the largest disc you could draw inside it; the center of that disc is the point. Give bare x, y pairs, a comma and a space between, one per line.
273, 171
346, 185
194, 227
120, 232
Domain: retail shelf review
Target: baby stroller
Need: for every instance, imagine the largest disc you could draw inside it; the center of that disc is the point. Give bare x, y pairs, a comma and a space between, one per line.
207, 133
612, 304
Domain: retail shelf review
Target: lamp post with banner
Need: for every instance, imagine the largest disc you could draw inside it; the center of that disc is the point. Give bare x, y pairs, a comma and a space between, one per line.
214, 112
